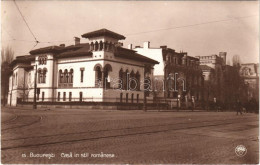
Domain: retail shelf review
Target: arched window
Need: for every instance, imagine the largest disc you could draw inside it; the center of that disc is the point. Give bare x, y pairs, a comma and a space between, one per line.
44, 75
96, 46
91, 46
66, 76
98, 75
121, 81
132, 81
100, 45
39, 75
107, 69
105, 46
137, 75
60, 76
109, 46
71, 76
125, 83
45, 60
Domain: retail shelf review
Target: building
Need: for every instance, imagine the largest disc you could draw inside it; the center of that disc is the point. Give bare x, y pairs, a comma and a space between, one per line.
178, 77
212, 67
98, 71
250, 74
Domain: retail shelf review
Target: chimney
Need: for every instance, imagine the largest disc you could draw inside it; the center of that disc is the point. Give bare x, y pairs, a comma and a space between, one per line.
62, 45
130, 46
163, 47
77, 40
146, 45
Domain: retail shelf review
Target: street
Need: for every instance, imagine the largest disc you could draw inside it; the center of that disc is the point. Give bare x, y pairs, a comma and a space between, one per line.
67, 136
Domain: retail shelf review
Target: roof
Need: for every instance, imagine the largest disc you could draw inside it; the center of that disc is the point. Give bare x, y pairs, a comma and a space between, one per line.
75, 51
205, 67
26, 59
131, 54
48, 49
103, 32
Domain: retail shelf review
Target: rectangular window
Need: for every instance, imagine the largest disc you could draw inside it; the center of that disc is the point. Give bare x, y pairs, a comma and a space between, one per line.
132, 98
70, 95
126, 98
64, 96
38, 96
137, 98
121, 97
81, 74
42, 96
80, 96
58, 96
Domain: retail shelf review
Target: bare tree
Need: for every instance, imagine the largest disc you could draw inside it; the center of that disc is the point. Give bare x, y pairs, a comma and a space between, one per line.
7, 55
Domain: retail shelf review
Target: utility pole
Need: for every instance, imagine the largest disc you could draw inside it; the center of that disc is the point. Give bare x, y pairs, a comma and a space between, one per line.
144, 103
35, 88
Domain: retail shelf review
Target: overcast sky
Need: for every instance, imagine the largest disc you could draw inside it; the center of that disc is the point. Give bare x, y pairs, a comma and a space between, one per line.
52, 21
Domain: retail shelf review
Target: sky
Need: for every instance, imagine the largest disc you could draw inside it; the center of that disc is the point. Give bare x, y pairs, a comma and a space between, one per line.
197, 27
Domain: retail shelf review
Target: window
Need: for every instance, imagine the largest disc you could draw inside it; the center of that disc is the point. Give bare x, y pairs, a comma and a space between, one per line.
98, 76
138, 81
58, 96
70, 95
71, 76
60, 76
121, 97
64, 96
121, 81
137, 98
42, 60
132, 98
126, 98
44, 75
81, 74
80, 96
66, 76
42, 96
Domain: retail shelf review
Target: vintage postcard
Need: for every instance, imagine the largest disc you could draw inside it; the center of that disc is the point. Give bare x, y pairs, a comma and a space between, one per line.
129, 82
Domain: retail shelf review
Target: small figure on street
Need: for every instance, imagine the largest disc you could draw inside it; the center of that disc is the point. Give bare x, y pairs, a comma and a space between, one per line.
215, 104
192, 103
239, 107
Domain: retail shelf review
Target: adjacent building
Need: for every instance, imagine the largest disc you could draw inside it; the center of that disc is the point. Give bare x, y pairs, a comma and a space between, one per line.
212, 67
98, 71
250, 74
178, 77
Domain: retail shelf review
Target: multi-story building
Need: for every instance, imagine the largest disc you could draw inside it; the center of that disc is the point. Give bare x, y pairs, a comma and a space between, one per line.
177, 77
212, 67
98, 71
250, 74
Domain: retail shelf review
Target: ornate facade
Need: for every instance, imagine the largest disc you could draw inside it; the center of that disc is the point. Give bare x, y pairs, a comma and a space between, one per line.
98, 71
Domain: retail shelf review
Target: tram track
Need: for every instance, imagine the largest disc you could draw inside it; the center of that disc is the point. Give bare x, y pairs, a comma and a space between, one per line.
117, 133
17, 125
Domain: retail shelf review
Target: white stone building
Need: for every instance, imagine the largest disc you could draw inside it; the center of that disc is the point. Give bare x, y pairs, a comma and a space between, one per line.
98, 71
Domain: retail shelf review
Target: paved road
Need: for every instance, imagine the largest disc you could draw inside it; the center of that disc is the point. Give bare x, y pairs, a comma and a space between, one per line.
54, 136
